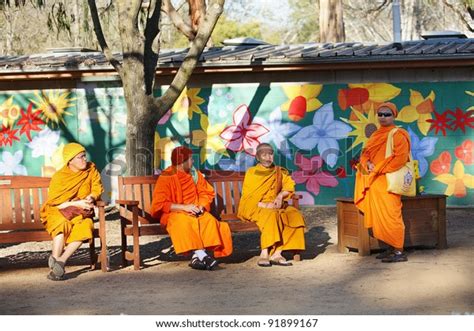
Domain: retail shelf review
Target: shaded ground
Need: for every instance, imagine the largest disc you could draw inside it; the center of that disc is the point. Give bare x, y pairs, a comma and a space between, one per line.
325, 282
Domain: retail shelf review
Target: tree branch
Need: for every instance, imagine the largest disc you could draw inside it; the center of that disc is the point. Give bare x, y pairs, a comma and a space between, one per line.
152, 30
177, 20
101, 38
190, 61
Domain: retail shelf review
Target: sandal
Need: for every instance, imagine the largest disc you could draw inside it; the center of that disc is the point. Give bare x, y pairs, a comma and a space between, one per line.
264, 262
54, 277
58, 268
280, 261
51, 261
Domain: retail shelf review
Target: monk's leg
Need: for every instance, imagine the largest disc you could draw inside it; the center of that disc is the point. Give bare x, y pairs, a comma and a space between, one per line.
58, 245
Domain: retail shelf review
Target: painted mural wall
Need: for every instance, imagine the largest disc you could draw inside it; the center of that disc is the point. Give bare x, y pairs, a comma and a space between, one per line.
317, 130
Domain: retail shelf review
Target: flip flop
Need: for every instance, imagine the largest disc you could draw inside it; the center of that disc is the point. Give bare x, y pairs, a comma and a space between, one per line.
58, 268
51, 261
264, 262
280, 261
52, 276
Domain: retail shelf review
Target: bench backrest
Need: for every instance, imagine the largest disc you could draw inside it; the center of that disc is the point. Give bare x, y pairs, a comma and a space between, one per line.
227, 185
21, 198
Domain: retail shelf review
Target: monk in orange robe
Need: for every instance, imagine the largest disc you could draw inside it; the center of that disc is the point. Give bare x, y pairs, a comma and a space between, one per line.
382, 209
265, 192
73, 189
181, 201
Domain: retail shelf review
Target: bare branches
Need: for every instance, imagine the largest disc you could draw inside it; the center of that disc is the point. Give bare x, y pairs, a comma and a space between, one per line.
177, 20
101, 38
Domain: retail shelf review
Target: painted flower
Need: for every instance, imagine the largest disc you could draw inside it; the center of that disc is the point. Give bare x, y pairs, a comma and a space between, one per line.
457, 182
7, 136
9, 112
323, 133
53, 105
442, 165
53, 163
364, 127
378, 94
301, 99
187, 103
242, 162
311, 174
440, 123
30, 121
212, 146
11, 164
163, 148
45, 143
243, 134
421, 149
165, 118
278, 131
419, 110
464, 152
461, 119
352, 96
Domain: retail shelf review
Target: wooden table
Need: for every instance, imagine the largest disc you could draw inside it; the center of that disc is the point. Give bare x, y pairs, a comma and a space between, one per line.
424, 217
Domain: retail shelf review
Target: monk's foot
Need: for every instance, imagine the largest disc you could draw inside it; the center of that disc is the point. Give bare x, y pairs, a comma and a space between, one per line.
210, 262
384, 254
51, 261
264, 262
197, 264
396, 256
54, 277
280, 260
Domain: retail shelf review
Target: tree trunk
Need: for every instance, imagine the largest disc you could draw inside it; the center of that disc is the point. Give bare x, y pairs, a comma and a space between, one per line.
331, 21
137, 72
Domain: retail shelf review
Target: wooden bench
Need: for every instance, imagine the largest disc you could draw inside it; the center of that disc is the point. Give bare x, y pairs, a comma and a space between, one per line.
21, 198
135, 196
424, 217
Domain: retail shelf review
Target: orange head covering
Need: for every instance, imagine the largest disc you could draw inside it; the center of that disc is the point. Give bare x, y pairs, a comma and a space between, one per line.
180, 154
390, 106
71, 150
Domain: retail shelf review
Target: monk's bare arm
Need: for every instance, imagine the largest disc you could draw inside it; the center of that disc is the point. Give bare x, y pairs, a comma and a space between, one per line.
188, 208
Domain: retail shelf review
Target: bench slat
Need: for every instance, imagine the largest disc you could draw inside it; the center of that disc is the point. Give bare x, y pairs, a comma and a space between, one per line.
7, 207
44, 195
22, 226
235, 185
228, 198
36, 204
17, 206
147, 196
219, 199
27, 205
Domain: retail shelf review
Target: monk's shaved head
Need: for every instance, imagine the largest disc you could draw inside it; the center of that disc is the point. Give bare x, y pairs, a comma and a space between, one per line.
265, 147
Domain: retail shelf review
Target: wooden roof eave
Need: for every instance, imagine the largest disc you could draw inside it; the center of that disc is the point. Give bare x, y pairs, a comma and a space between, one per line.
254, 65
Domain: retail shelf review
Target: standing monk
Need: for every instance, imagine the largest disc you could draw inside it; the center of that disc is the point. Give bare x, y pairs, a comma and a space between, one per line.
265, 192
67, 214
181, 201
382, 209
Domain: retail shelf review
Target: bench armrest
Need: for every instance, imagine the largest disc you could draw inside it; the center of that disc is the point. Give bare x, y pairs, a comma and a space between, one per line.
127, 202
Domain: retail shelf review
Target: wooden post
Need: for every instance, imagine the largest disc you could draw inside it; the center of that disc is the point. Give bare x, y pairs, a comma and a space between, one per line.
340, 227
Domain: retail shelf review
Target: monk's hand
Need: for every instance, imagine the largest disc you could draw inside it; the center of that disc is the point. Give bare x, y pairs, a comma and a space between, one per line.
370, 166
278, 202
90, 199
191, 209
84, 204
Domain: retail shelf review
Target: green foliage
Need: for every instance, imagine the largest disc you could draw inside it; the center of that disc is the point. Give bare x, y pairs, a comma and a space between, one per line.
227, 29
304, 20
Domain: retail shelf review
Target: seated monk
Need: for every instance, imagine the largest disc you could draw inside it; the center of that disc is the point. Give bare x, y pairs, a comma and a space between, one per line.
181, 201
67, 214
265, 190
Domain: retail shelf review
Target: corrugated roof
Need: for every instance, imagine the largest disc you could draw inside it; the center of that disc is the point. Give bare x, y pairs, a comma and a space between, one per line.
269, 55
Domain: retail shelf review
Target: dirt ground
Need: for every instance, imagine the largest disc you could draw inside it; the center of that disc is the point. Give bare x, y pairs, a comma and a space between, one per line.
325, 282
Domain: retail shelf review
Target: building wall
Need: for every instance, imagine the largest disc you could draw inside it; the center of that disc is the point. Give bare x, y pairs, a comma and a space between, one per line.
318, 130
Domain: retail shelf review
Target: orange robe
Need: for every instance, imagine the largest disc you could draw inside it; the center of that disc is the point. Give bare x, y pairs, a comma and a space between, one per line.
280, 228
188, 232
382, 209
67, 185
